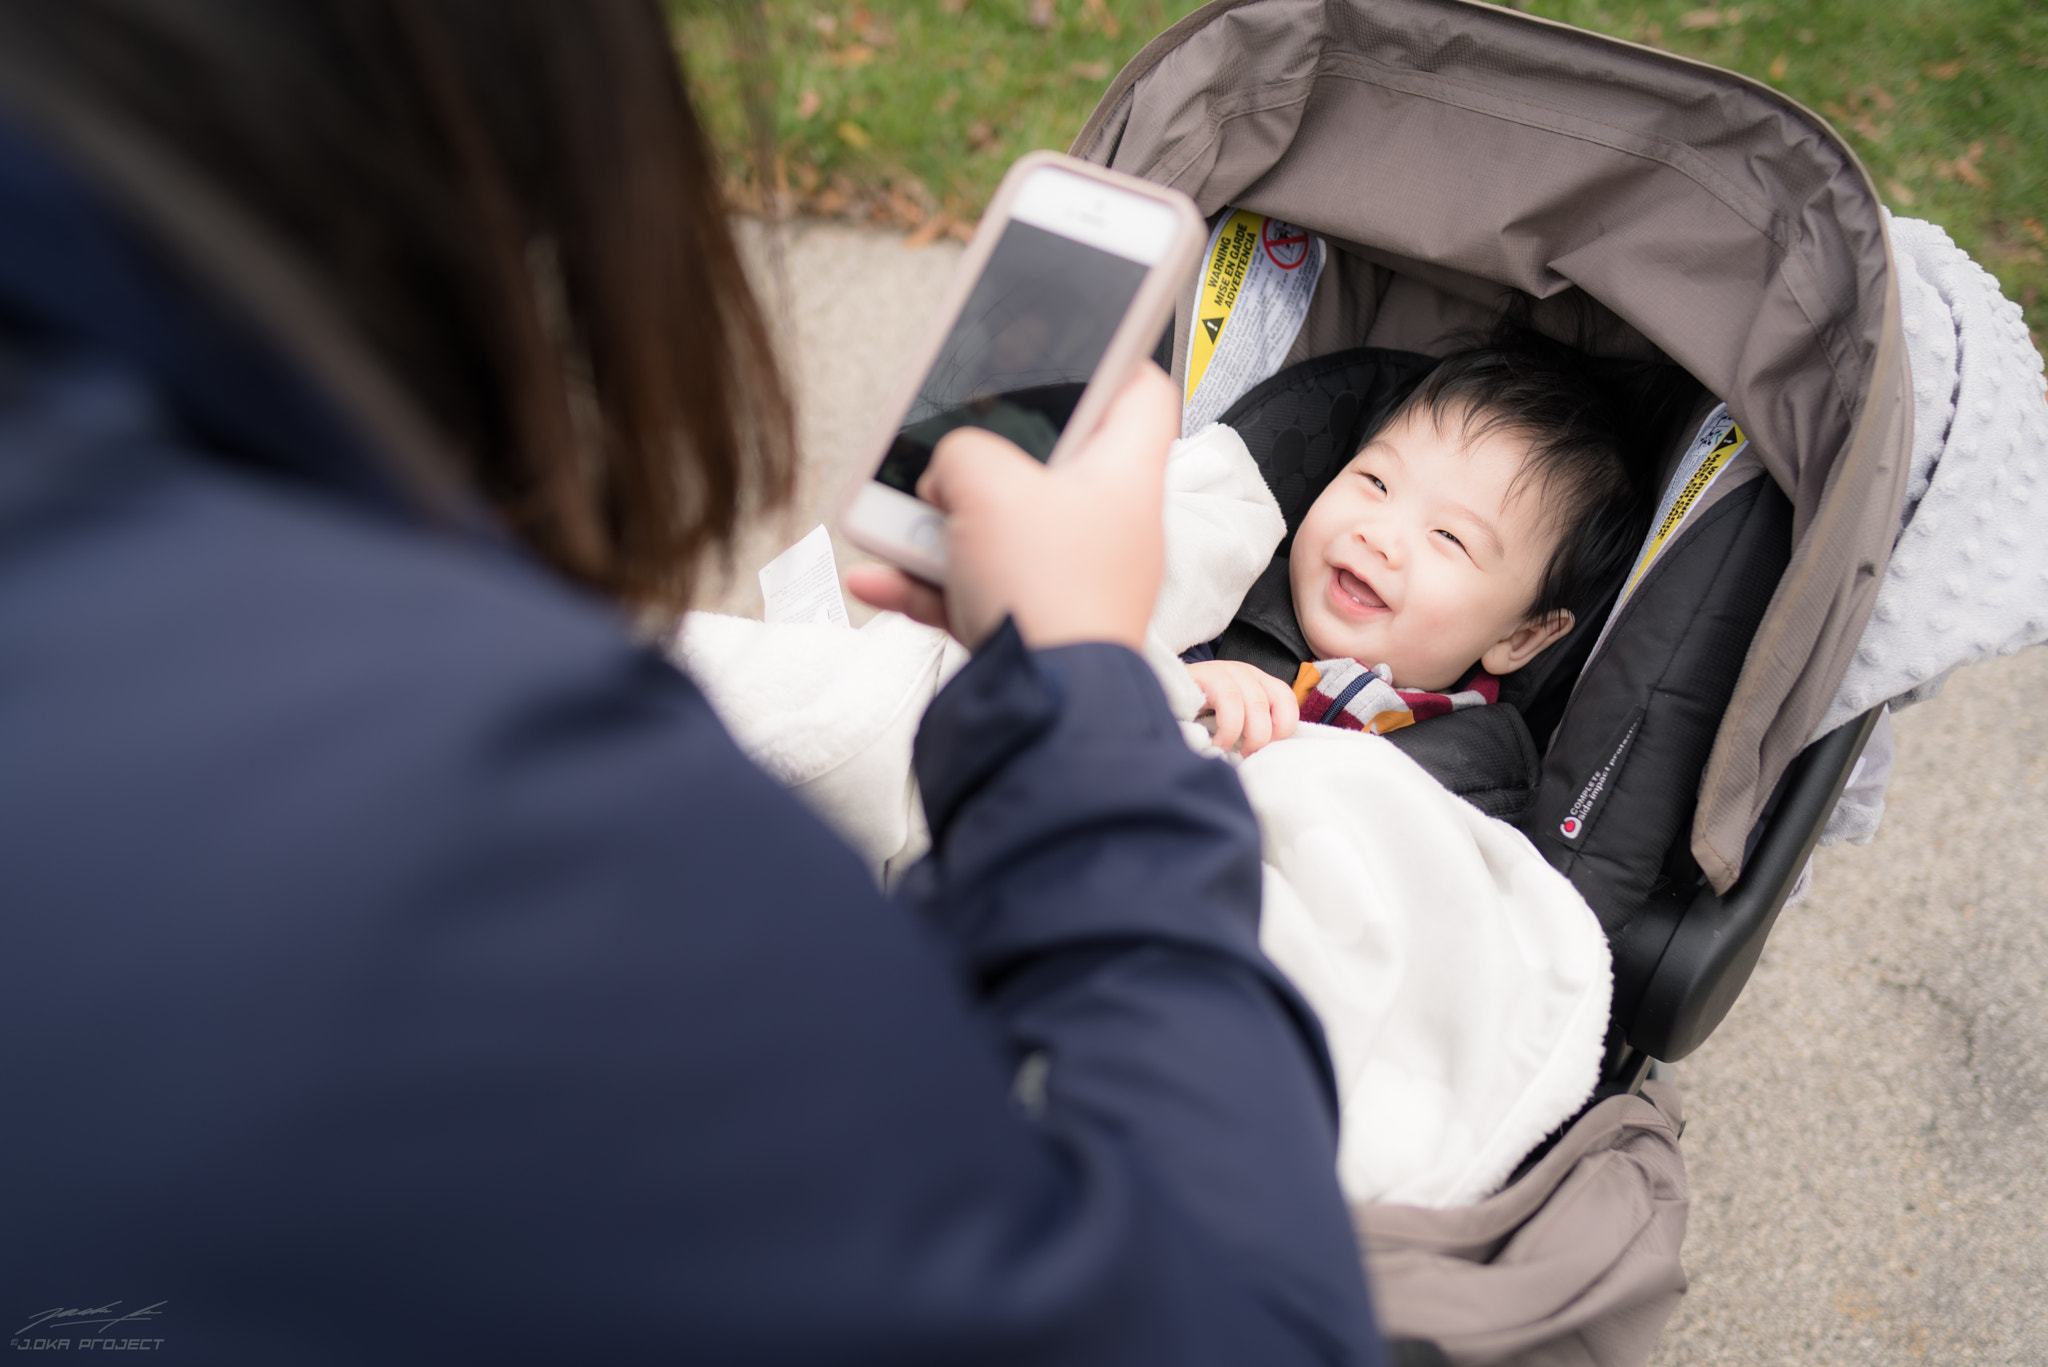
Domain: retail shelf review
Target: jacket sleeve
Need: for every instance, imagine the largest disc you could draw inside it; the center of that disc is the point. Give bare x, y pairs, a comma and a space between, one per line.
1100, 886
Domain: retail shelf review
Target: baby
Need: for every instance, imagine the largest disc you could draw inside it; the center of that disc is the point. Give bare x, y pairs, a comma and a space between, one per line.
1442, 556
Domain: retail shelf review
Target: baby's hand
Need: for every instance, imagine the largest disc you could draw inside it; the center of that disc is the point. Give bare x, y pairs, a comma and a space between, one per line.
1250, 704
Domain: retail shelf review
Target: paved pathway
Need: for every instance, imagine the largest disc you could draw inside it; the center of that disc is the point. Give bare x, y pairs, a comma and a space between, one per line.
1868, 1131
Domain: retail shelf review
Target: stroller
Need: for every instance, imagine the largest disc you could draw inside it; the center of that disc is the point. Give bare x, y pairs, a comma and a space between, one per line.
1452, 153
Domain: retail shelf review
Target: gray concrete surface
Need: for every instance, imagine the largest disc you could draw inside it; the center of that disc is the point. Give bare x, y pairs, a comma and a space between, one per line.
1868, 1131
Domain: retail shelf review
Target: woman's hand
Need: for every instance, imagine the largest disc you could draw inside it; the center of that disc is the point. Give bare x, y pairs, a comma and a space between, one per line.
1250, 704
1072, 551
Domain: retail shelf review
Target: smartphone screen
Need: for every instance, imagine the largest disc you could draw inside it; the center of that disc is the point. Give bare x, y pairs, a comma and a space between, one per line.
1035, 326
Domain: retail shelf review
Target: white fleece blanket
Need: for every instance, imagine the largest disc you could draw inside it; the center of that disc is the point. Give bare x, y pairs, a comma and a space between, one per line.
1462, 982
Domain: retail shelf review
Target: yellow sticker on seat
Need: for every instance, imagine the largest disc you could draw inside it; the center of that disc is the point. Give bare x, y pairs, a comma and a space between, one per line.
1258, 276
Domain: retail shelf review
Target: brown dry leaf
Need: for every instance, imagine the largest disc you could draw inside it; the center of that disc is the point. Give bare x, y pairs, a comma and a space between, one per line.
1882, 98
2035, 230
952, 6
961, 230
1807, 35
1966, 168
852, 55
2033, 59
906, 212
928, 232
1095, 13
852, 134
1944, 71
870, 29
1700, 18
1091, 71
1043, 13
825, 24
981, 137
1898, 191
1779, 66
831, 201
807, 104
947, 99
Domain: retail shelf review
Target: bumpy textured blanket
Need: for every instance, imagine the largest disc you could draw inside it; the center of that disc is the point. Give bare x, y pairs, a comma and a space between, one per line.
1462, 981
1968, 578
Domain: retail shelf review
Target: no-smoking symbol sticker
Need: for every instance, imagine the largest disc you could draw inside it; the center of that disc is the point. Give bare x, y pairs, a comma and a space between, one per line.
1286, 245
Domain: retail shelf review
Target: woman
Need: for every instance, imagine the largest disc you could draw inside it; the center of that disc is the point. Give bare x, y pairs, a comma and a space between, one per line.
400, 962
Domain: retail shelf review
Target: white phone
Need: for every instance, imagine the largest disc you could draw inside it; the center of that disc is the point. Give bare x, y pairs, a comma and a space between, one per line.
1066, 285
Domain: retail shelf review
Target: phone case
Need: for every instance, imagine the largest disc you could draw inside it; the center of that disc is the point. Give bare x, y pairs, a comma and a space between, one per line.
920, 549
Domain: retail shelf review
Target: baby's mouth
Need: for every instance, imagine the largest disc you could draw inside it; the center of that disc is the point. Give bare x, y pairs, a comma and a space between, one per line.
1355, 592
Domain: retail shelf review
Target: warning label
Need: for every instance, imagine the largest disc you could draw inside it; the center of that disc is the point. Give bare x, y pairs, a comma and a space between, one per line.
1258, 276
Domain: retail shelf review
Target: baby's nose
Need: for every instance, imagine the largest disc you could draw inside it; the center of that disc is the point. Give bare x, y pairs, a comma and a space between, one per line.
1382, 542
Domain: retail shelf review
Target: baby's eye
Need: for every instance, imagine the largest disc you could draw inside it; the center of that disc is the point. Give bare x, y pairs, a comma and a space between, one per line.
1452, 538
1374, 480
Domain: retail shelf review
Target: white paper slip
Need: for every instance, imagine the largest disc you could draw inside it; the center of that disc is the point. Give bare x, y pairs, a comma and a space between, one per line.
802, 584
1258, 276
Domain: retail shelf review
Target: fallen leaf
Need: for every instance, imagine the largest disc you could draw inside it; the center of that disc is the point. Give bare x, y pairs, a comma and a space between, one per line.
1043, 13
870, 30
952, 6
1898, 191
807, 104
1806, 35
825, 24
852, 134
1091, 71
852, 55
831, 201
2032, 59
981, 137
1700, 18
961, 230
1944, 71
2035, 230
1966, 168
1096, 13
1779, 66
1882, 98
928, 232
947, 99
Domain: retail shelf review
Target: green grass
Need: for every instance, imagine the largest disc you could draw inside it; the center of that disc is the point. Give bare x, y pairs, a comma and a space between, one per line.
906, 112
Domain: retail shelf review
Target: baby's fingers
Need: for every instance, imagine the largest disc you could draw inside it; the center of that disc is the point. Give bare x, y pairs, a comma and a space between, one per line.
1228, 705
1258, 723
1286, 709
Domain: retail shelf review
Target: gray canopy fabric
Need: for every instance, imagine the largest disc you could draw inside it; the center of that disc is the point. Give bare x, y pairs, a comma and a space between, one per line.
1449, 149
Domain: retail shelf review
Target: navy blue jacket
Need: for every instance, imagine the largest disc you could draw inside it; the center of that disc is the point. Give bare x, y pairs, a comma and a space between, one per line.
398, 964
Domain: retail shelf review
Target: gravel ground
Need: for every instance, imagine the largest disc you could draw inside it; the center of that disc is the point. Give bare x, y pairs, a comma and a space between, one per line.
1868, 1131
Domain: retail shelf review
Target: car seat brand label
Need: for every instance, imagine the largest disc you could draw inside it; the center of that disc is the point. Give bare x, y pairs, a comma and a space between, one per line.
1258, 276
1593, 793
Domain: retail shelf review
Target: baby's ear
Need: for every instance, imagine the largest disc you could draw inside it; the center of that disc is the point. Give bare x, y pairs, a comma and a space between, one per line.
1525, 642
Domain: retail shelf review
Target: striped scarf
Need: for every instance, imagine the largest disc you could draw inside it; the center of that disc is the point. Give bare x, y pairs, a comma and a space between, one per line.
1347, 695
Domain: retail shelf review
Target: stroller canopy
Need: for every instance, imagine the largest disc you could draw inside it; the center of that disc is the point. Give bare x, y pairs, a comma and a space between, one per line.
1450, 150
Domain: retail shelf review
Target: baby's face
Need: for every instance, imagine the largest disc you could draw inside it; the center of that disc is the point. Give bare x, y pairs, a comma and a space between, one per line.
1417, 557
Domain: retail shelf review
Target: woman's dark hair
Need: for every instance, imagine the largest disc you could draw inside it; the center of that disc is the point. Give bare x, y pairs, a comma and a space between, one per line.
1593, 428
511, 206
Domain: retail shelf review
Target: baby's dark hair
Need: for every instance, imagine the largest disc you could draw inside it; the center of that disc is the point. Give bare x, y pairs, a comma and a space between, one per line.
1549, 396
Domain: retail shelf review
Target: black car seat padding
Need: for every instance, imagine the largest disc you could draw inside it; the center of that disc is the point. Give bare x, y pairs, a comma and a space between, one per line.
1622, 773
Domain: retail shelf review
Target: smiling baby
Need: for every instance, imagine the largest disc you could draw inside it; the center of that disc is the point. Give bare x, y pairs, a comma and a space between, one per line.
1442, 555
